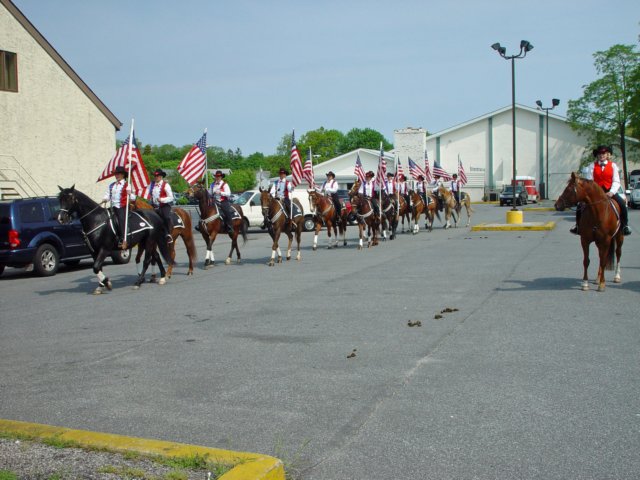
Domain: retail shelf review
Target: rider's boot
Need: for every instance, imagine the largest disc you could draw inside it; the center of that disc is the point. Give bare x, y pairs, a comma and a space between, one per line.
574, 229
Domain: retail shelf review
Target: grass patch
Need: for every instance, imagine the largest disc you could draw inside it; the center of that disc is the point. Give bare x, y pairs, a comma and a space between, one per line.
7, 475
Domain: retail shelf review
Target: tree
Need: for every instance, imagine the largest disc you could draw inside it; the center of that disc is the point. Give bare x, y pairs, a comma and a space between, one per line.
363, 138
605, 110
323, 143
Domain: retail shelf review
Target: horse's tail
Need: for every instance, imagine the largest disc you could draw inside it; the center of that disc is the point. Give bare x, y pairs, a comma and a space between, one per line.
187, 237
611, 257
243, 231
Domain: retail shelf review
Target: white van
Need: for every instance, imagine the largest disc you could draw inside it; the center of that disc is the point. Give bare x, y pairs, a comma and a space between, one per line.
250, 203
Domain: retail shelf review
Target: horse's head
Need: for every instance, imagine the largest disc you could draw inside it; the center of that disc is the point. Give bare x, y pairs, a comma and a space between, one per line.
569, 197
68, 203
313, 199
354, 189
197, 190
265, 201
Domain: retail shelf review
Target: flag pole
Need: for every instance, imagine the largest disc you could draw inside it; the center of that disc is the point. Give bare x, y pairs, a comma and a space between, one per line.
206, 162
126, 210
396, 187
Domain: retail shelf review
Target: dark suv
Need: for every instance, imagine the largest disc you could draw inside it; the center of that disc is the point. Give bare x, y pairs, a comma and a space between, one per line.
30, 234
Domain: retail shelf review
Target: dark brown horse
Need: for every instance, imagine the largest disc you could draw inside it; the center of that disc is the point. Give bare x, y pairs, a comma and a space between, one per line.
599, 223
277, 221
211, 224
184, 230
404, 212
325, 214
366, 217
430, 210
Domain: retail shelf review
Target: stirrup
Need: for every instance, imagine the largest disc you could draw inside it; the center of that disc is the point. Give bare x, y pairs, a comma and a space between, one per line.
574, 230
626, 230
169, 238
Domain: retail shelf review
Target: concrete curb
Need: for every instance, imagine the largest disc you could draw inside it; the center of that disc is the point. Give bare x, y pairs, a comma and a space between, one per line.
248, 466
533, 226
539, 209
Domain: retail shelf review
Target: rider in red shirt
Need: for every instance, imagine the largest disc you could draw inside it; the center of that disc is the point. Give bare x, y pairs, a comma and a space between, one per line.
606, 174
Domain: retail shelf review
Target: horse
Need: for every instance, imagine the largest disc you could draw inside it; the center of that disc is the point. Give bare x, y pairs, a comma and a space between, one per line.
277, 221
465, 201
211, 224
325, 214
430, 211
146, 228
366, 216
388, 216
599, 223
182, 229
449, 203
404, 212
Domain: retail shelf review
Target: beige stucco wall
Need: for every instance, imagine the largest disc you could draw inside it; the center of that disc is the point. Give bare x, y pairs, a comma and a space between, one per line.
50, 126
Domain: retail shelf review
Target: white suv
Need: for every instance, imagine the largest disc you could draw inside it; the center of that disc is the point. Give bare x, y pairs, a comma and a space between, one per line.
250, 202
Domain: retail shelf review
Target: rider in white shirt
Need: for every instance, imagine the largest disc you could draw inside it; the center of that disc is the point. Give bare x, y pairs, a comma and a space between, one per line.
118, 193
161, 198
221, 194
454, 186
330, 189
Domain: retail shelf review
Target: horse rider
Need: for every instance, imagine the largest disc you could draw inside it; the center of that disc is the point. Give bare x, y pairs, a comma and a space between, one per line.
435, 189
605, 173
281, 189
161, 197
368, 189
330, 189
454, 186
390, 185
403, 188
117, 193
421, 188
221, 193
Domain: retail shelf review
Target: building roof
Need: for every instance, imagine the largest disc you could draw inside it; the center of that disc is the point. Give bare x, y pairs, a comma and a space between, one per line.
38, 37
493, 114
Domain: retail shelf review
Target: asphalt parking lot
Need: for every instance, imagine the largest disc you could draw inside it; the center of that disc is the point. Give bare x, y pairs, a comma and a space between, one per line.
314, 362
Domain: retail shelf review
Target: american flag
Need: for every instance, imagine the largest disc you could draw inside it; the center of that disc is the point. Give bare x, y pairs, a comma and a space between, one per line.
427, 171
296, 165
382, 169
415, 170
438, 170
462, 176
194, 164
307, 171
399, 170
359, 171
138, 176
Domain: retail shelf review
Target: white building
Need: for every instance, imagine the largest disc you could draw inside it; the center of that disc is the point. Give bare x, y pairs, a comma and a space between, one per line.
55, 130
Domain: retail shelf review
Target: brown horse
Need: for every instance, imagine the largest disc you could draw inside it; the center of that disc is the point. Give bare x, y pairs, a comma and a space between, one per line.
599, 223
404, 212
366, 217
325, 214
184, 230
430, 210
211, 224
277, 221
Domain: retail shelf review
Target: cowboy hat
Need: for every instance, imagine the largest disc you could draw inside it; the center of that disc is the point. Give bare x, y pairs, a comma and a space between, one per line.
160, 172
282, 170
330, 173
120, 169
219, 174
601, 149
369, 174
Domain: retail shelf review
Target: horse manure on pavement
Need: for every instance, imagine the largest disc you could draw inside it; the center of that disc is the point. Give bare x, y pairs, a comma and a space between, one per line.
437, 316
417, 323
448, 310
352, 354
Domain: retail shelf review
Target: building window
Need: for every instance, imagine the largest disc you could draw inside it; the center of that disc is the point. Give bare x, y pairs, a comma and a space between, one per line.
8, 71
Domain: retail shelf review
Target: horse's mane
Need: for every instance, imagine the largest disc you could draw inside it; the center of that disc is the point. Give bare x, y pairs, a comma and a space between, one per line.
589, 185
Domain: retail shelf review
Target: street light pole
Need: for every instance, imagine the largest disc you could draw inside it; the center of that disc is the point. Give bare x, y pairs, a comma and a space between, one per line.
525, 47
554, 103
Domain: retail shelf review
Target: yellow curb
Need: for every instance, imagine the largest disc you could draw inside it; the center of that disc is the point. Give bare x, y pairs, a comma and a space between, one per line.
248, 466
539, 209
536, 226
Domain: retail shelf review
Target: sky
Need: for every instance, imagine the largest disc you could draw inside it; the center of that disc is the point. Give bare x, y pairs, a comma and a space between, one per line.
251, 71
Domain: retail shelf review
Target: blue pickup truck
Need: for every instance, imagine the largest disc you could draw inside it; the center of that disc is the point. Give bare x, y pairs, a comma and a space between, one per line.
31, 235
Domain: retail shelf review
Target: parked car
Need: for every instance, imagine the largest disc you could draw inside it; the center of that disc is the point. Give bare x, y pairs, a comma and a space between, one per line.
634, 197
506, 196
31, 235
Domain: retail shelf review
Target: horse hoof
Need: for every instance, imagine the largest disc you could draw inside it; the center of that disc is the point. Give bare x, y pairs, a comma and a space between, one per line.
271, 264
585, 288
108, 285
136, 287
189, 273
97, 291
315, 248
238, 262
227, 261
151, 280
617, 280
162, 281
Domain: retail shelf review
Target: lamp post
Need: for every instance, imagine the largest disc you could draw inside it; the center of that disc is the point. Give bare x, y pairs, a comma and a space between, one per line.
554, 103
525, 47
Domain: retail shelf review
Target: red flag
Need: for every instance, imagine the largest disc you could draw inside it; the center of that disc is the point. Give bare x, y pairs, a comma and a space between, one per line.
194, 164
138, 176
462, 176
296, 167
